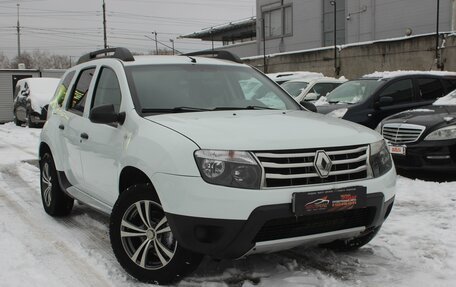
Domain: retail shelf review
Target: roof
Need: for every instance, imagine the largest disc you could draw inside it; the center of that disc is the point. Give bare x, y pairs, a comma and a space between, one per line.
393, 74
319, 80
241, 29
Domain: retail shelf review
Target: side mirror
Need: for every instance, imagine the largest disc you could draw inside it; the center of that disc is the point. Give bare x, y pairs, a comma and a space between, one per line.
105, 114
385, 101
309, 106
311, 97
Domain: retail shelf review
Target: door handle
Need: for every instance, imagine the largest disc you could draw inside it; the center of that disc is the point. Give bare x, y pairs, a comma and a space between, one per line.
85, 136
62, 127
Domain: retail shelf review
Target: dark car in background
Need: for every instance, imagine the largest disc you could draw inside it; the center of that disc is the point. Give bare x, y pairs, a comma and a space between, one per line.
31, 100
424, 138
374, 97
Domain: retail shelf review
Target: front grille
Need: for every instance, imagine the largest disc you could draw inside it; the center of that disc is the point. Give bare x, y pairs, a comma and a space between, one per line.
296, 167
314, 224
402, 133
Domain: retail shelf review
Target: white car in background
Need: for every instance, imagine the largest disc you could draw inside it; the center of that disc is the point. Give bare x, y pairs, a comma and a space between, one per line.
310, 90
31, 100
283, 77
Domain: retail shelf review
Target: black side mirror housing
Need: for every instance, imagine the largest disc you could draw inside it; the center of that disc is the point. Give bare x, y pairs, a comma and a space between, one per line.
309, 106
105, 114
385, 101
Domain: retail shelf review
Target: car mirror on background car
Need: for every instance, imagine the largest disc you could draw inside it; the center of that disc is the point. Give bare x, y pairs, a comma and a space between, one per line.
311, 97
385, 101
105, 114
309, 106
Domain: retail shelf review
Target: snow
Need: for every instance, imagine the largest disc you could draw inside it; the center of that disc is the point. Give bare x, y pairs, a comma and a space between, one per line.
41, 91
448, 100
415, 247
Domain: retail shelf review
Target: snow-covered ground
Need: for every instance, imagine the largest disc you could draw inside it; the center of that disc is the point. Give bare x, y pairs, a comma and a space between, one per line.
416, 246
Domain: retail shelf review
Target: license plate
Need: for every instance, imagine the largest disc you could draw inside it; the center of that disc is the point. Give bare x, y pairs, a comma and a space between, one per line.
304, 203
397, 149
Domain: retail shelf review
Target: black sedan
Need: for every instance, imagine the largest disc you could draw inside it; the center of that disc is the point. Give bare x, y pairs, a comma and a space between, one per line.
424, 138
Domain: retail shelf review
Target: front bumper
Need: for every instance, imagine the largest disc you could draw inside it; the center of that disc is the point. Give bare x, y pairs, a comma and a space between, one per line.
428, 155
227, 222
39, 118
275, 227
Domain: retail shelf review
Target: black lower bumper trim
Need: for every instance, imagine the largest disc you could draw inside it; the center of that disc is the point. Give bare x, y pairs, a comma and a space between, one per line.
224, 238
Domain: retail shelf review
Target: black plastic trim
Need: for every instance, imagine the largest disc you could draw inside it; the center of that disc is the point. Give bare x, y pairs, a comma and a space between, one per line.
226, 238
119, 53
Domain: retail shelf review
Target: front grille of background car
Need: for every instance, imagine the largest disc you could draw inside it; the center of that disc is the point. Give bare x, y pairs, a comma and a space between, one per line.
402, 133
290, 227
296, 167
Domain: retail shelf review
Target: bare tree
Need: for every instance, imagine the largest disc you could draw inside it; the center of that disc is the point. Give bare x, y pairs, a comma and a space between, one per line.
4, 61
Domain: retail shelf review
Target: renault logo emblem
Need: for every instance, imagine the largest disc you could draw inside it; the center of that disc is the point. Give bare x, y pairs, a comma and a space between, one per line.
322, 163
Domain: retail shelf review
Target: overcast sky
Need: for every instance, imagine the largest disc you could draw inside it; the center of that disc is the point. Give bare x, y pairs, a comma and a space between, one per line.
74, 27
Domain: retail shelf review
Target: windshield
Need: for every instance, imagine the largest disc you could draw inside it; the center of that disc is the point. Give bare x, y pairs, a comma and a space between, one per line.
191, 88
448, 100
294, 88
353, 92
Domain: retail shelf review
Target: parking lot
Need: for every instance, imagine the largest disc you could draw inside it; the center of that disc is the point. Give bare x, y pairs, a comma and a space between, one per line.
415, 247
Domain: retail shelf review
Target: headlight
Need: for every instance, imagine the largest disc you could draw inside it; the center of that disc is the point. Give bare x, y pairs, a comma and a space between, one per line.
380, 158
379, 128
446, 133
229, 168
339, 113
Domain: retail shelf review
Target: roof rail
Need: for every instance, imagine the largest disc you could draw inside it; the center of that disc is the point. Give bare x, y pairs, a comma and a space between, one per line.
118, 53
223, 55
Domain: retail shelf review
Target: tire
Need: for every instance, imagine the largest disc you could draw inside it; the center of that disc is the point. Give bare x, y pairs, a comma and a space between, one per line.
16, 121
55, 201
138, 223
30, 123
352, 244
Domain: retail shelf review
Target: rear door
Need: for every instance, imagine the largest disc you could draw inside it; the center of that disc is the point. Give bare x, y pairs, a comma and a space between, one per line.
72, 124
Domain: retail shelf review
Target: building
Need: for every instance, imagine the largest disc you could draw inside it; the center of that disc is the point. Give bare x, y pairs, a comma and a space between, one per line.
292, 25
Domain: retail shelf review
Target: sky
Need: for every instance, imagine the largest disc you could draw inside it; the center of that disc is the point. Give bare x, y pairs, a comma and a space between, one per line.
72, 28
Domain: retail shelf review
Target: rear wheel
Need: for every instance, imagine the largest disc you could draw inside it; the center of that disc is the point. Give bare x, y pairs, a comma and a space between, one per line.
143, 241
55, 201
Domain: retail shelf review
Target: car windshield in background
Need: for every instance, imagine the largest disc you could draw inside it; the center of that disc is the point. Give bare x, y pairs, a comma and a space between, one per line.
448, 100
353, 92
294, 88
192, 88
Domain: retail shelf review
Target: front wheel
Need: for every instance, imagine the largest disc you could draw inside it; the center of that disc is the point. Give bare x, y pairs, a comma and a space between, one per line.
143, 241
30, 122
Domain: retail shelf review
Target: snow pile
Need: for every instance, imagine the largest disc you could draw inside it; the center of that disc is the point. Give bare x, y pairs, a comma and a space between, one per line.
391, 74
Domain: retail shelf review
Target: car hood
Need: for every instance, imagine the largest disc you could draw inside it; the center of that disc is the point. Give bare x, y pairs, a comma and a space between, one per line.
265, 130
427, 116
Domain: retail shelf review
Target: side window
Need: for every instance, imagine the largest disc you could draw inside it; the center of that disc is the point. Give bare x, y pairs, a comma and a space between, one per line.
401, 91
322, 89
430, 89
61, 91
26, 91
107, 90
79, 93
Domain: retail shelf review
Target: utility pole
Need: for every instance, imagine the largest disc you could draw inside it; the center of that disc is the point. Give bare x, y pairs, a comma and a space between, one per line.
437, 52
336, 68
18, 34
104, 26
212, 40
156, 43
172, 43
263, 28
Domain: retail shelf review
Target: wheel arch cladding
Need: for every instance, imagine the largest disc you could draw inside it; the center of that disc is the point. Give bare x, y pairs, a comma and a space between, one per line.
43, 149
130, 176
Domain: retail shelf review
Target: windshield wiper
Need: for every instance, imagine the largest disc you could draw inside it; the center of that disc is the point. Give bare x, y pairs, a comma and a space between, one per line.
333, 102
243, 108
175, 110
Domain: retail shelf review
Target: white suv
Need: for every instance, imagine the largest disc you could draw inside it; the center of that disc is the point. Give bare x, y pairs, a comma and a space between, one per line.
187, 163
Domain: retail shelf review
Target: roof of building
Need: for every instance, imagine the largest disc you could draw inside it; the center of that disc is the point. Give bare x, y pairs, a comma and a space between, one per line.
242, 29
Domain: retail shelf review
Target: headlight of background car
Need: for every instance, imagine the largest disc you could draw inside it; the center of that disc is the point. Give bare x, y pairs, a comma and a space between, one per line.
446, 133
380, 158
339, 113
379, 128
229, 168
